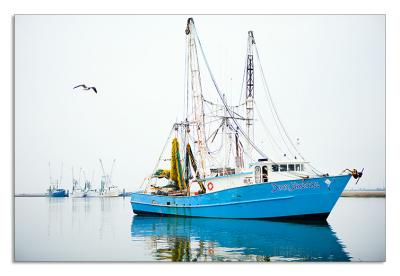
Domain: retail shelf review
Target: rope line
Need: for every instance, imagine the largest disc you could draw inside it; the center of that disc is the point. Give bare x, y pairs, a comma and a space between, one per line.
222, 98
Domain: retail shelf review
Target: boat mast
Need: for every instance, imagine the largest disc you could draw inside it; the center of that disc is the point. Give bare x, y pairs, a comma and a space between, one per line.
61, 174
104, 176
51, 179
91, 182
80, 174
250, 92
84, 176
197, 97
111, 172
73, 179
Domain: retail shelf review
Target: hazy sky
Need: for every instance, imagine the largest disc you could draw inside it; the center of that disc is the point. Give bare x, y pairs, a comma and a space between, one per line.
326, 75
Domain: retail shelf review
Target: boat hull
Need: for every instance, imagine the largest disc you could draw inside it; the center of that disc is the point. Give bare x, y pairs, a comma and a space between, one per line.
58, 193
303, 199
92, 194
76, 194
111, 192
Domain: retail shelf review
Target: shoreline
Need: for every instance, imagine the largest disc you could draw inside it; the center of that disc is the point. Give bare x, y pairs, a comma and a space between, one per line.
363, 194
30, 195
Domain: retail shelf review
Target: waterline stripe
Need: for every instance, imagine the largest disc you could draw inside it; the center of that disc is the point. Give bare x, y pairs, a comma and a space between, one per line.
212, 205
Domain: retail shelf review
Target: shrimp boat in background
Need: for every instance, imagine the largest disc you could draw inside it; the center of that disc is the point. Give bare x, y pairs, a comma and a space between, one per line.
77, 190
89, 190
54, 190
107, 188
203, 172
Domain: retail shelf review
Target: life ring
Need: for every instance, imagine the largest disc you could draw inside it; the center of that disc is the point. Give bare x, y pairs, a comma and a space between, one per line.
210, 186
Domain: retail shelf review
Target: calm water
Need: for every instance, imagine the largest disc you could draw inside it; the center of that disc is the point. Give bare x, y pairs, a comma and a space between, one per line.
104, 229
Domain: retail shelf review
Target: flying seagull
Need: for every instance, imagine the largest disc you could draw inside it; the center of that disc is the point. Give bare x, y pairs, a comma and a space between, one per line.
84, 87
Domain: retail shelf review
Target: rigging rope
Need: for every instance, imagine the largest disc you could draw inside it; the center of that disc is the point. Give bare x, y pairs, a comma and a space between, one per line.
160, 157
273, 109
186, 83
269, 134
244, 77
269, 97
223, 100
231, 112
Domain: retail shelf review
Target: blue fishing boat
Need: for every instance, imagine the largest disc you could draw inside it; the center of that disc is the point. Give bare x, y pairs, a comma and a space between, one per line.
58, 193
54, 190
207, 239
201, 171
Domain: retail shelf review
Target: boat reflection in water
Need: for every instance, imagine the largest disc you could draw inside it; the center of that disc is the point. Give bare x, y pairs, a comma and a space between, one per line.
204, 239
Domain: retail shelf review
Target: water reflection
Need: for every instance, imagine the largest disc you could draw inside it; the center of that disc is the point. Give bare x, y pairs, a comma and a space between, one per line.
55, 209
201, 239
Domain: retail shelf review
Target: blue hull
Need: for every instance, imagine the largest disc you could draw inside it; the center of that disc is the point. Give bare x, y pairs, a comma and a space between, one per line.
58, 193
312, 198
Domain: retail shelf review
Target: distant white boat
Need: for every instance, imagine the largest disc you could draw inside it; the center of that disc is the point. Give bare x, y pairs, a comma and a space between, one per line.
112, 191
89, 191
77, 191
107, 189
92, 193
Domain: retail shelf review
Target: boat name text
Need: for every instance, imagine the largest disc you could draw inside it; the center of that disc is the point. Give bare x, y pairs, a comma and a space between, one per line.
295, 186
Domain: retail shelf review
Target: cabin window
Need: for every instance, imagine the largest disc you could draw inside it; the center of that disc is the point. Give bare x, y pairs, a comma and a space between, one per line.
291, 167
257, 174
297, 167
301, 167
265, 174
283, 168
275, 168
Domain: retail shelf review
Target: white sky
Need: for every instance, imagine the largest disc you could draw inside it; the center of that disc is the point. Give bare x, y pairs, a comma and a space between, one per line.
326, 75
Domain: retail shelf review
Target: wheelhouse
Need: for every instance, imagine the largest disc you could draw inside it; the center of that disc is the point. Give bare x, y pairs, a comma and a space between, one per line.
267, 171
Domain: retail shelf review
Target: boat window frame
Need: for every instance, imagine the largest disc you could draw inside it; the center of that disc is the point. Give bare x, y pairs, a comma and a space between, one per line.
275, 167
293, 167
264, 173
257, 174
283, 166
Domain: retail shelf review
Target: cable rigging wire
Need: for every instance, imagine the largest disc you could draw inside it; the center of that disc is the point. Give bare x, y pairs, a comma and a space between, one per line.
273, 107
232, 113
269, 97
269, 134
244, 77
222, 98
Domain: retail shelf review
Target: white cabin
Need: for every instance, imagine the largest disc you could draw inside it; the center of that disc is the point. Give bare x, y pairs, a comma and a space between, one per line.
260, 172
